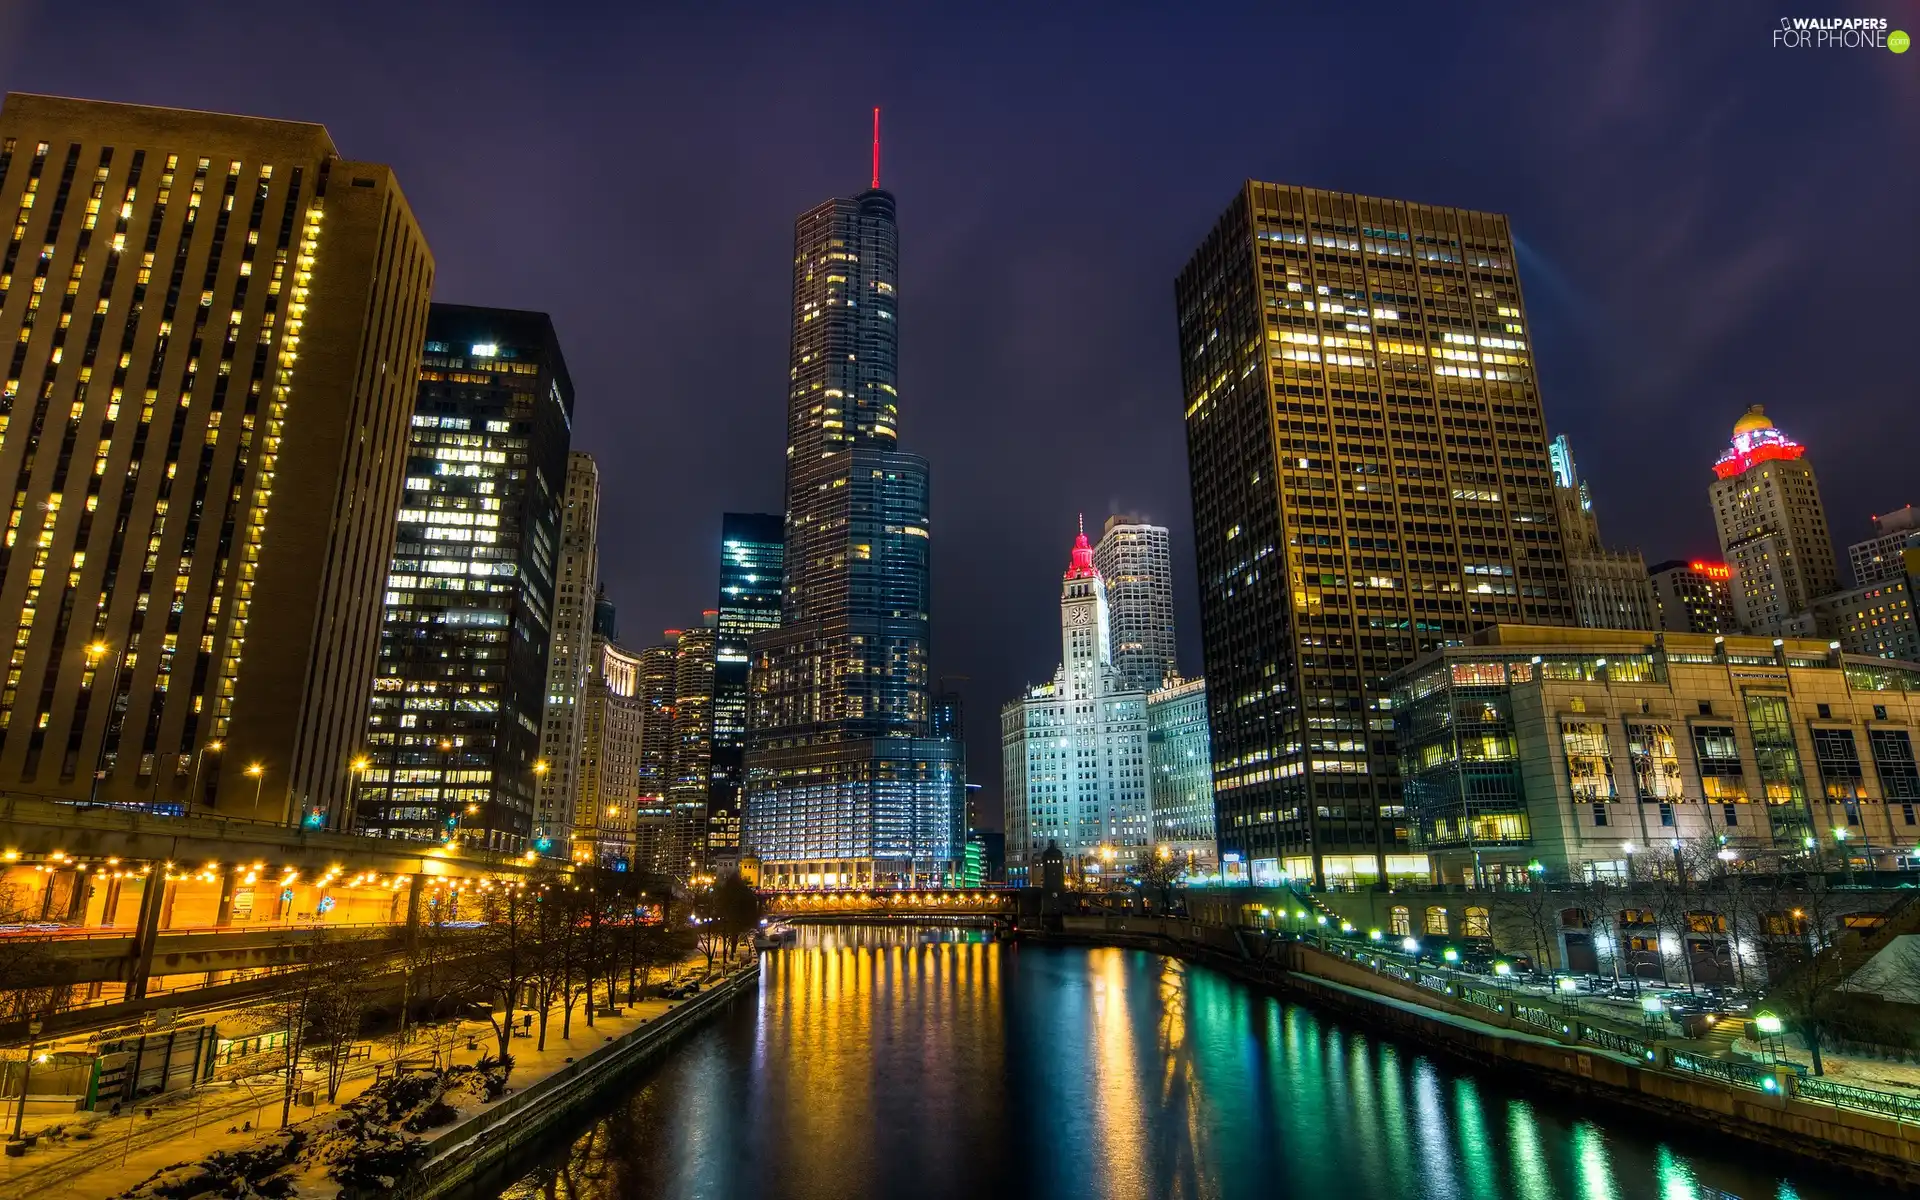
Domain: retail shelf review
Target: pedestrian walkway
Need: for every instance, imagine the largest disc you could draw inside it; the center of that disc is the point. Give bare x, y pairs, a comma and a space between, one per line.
104, 1155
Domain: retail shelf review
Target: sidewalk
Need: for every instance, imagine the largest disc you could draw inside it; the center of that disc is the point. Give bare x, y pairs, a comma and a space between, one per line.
188, 1126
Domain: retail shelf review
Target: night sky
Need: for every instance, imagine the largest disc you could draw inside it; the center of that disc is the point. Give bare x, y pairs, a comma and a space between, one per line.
1706, 222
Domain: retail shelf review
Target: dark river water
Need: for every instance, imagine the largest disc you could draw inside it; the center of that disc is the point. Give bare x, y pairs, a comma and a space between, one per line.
915, 1063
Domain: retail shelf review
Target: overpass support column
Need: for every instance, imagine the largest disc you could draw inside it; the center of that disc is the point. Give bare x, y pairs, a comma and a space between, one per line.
223, 915
146, 931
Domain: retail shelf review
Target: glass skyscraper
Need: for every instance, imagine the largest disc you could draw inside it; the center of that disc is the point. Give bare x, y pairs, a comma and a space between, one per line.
1370, 482
844, 783
454, 731
752, 549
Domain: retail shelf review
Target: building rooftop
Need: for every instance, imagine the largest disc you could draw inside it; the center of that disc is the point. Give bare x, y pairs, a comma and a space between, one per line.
1514, 641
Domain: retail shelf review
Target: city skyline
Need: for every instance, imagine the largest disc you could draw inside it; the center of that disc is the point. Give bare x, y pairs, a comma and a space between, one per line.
1654, 411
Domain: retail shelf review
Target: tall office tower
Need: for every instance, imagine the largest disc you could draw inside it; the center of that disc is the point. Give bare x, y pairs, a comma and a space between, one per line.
1610, 588
1370, 480
1074, 751
1773, 530
205, 465
1881, 556
454, 735
843, 781
611, 715
1180, 780
575, 593
659, 742
1693, 597
752, 549
1136, 562
693, 745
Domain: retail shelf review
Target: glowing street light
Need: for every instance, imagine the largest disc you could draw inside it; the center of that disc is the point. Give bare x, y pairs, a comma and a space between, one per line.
258, 773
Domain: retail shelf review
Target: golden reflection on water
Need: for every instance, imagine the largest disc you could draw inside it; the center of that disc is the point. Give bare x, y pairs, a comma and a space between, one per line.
903, 1061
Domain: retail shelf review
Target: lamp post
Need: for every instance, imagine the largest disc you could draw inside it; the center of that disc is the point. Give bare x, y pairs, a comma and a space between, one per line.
540, 769
1769, 1027
95, 652
20, 1110
1846, 857
258, 774
358, 775
193, 789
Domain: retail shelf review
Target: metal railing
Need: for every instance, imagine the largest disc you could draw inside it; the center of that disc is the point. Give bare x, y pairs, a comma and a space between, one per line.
1739, 1073
1905, 1109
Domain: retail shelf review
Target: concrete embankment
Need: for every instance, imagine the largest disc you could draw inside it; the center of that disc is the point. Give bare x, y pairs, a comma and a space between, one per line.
1882, 1148
468, 1151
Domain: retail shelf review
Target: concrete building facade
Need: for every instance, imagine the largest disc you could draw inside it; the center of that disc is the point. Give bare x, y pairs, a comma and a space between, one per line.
1577, 748
1610, 586
1692, 597
611, 717
212, 329
1773, 529
1135, 560
569, 662
1074, 751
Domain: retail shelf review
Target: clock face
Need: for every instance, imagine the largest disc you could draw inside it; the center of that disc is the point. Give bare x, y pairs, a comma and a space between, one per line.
1079, 616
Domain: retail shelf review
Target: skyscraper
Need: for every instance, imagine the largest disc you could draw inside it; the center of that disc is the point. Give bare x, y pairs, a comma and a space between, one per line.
454, 733
1610, 588
611, 715
576, 581
213, 324
1773, 530
843, 782
1136, 562
659, 746
1074, 750
1880, 556
1692, 597
1180, 783
1370, 480
692, 746
752, 549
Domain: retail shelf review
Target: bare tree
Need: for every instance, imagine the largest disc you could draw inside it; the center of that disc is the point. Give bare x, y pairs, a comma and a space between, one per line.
505, 957
1807, 959
1157, 874
337, 1006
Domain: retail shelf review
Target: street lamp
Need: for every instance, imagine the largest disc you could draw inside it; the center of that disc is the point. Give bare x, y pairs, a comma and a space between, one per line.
1846, 858
95, 652
20, 1110
357, 771
1769, 1028
258, 774
193, 789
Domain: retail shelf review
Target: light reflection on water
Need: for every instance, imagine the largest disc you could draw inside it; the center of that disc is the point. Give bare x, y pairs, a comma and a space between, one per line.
937, 1063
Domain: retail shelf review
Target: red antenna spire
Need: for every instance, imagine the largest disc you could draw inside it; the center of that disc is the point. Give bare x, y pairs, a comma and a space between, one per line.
876, 149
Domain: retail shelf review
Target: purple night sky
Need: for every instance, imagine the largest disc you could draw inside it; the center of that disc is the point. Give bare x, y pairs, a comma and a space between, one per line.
1706, 222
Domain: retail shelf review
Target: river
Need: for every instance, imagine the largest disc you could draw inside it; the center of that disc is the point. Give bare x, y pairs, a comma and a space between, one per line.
880, 1062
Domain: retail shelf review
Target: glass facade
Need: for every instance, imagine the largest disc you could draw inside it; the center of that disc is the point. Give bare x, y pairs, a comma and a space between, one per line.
1458, 760
843, 781
454, 727
1370, 480
752, 551
1781, 779
1180, 756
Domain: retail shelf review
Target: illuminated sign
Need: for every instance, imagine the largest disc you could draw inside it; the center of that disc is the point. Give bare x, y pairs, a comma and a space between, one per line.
1712, 570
